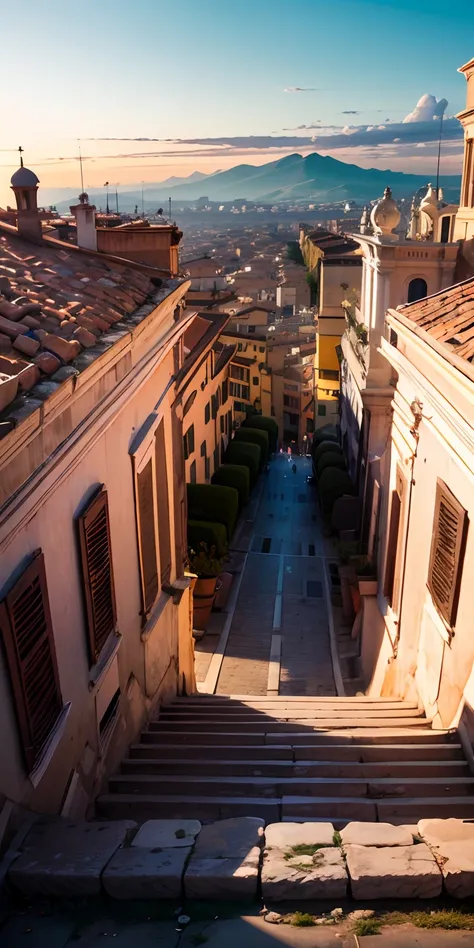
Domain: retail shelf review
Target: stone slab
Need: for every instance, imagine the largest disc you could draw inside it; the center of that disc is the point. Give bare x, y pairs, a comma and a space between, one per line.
167, 834
233, 838
435, 832
35, 931
227, 878
63, 858
285, 835
250, 931
376, 834
321, 876
392, 872
145, 873
408, 937
125, 934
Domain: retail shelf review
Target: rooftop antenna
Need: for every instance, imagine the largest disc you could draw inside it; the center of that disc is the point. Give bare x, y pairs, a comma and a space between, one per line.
439, 153
20, 149
116, 196
80, 166
106, 185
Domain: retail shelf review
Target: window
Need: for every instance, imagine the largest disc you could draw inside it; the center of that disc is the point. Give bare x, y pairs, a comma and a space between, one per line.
239, 372
331, 375
25, 624
239, 391
97, 572
225, 391
189, 403
417, 289
251, 329
207, 468
290, 402
240, 346
203, 449
391, 586
445, 228
255, 380
216, 457
222, 424
254, 348
261, 348
164, 535
321, 410
207, 413
450, 524
188, 442
192, 473
153, 513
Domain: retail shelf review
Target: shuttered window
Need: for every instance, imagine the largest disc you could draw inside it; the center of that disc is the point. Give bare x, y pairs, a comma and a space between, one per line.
146, 528
394, 557
97, 571
25, 623
164, 536
447, 551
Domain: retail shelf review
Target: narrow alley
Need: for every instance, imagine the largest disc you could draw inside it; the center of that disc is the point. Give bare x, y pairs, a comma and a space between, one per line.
278, 639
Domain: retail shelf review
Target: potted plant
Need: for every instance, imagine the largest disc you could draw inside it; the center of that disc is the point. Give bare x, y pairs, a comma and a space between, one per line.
366, 578
207, 566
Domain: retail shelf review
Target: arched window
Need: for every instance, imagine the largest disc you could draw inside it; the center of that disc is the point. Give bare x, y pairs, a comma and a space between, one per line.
417, 289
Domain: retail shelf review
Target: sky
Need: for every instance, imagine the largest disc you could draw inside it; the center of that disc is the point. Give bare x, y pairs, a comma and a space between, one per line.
154, 88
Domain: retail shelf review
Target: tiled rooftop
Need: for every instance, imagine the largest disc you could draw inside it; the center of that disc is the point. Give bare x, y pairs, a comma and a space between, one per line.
59, 309
448, 316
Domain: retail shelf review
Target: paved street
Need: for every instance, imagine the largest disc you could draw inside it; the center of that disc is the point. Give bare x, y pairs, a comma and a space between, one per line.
282, 593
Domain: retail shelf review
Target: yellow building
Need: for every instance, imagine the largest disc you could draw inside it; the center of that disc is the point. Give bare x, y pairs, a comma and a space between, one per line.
335, 266
250, 383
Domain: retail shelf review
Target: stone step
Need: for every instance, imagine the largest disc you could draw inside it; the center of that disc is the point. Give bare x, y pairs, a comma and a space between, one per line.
306, 738
409, 810
323, 752
348, 809
266, 723
289, 768
115, 806
279, 702
319, 699
276, 786
210, 751
255, 715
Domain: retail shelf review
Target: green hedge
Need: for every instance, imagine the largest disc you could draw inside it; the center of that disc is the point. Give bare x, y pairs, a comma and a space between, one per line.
215, 503
332, 484
234, 475
214, 534
255, 436
266, 424
326, 447
330, 459
243, 452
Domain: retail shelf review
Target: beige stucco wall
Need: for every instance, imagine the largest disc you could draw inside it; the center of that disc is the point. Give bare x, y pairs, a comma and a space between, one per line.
42, 516
427, 664
205, 387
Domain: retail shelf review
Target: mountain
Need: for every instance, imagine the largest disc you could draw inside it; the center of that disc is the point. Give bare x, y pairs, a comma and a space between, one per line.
317, 178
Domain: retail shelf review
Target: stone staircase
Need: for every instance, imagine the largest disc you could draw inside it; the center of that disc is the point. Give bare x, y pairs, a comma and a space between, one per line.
290, 759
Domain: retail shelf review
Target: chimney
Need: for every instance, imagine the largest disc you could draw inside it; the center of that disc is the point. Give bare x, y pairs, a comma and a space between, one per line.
24, 185
86, 233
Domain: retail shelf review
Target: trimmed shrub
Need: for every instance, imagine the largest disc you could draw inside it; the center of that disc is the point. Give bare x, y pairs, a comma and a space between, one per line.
326, 447
243, 452
330, 459
265, 423
332, 484
214, 534
328, 433
234, 475
215, 503
255, 436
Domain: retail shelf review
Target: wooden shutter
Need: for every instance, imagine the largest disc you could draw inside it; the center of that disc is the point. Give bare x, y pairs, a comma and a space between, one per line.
25, 622
447, 552
97, 571
164, 537
147, 539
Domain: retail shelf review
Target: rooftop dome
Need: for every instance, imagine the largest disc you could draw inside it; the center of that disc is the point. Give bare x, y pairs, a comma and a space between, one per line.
385, 216
24, 178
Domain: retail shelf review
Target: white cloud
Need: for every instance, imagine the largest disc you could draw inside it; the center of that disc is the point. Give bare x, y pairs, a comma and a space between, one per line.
427, 108
301, 89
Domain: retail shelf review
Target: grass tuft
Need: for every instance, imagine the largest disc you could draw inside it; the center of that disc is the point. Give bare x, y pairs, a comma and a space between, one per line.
367, 926
337, 838
302, 920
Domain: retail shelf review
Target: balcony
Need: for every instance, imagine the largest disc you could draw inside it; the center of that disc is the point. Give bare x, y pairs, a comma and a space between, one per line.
357, 333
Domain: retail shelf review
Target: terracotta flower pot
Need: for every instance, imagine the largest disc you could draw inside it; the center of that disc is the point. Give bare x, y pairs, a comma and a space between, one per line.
203, 599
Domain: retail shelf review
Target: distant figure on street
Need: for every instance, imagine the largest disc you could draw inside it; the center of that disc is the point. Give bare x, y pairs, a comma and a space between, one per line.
294, 468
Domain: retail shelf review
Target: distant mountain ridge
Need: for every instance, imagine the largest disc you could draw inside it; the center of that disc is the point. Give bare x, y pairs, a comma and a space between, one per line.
317, 178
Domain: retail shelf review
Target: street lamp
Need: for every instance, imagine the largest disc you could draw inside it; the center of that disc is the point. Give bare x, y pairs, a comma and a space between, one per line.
106, 185
143, 202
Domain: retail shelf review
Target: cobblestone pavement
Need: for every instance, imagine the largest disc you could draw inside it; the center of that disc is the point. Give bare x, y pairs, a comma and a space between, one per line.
282, 592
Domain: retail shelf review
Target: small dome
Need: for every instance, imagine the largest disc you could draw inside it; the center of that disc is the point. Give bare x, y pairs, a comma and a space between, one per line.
430, 202
24, 178
385, 216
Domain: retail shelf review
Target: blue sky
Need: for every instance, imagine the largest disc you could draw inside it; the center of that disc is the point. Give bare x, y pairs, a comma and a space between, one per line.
212, 69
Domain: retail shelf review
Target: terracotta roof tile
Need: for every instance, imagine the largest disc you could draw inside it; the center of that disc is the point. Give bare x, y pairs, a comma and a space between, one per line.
448, 316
